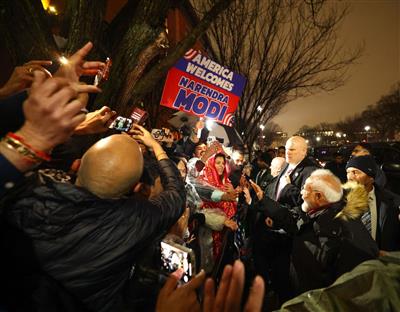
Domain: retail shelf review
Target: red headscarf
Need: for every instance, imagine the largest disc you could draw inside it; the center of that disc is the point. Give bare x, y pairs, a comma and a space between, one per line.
211, 176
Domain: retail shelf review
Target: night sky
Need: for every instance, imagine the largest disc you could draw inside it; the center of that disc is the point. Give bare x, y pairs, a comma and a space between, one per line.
377, 23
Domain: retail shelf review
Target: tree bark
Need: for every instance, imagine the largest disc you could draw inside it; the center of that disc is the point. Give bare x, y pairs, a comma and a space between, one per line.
148, 81
86, 24
25, 31
145, 27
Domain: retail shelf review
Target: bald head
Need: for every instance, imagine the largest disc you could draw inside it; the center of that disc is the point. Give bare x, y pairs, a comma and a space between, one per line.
277, 164
296, 150
111, 166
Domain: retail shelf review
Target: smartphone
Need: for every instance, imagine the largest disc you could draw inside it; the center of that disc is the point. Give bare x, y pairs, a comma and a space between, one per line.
139, 116
104, 73
175, 256
121, 124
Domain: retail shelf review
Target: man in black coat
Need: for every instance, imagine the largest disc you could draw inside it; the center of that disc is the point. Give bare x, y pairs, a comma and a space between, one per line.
381, 219
263, 177
295, 173
88, 236
272, 248
328, 236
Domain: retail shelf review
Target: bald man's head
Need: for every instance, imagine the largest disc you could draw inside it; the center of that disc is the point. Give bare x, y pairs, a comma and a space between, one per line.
111, 167
296, 150
277, 165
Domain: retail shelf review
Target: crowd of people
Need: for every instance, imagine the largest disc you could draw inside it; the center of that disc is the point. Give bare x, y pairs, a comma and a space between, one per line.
83, 218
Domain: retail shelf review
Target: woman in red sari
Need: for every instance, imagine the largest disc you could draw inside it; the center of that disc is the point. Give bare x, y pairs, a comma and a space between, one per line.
215, 174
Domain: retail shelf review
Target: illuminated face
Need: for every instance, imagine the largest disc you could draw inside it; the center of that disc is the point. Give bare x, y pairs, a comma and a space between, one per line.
359, 151
182, 169
220, 165
200, 150
309, 197
356, 175
238, 158
295, 151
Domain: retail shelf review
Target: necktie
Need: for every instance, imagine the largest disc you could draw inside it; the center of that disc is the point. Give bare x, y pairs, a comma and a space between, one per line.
366, 217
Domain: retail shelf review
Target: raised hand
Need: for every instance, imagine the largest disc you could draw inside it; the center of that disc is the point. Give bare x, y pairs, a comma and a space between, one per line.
230, 292
184, 298
52, 112
96, 122
257, 189
77, 67
22, 77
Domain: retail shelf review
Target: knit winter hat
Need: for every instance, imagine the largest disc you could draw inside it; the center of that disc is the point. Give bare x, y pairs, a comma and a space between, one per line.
364, 163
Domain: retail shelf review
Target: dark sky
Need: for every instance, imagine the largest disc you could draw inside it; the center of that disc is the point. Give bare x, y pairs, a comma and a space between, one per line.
377, 23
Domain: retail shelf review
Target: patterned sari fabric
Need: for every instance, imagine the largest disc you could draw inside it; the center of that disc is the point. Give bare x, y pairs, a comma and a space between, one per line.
229, 208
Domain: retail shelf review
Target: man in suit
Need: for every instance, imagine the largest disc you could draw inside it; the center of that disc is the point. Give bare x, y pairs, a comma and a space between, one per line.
382, 218
263, 177
293, 176
273, 247
277, 164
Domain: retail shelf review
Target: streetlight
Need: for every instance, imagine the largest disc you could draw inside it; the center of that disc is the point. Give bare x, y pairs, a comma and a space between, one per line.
262, 127
366, 128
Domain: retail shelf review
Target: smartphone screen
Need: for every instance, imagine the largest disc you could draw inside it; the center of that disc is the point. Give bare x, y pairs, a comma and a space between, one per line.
121, 124
174, 256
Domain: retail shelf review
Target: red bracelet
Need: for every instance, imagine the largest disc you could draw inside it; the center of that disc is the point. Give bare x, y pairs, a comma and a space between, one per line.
40, 154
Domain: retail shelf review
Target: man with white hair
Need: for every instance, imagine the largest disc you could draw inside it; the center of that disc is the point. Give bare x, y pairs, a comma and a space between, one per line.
273, 248
328, 236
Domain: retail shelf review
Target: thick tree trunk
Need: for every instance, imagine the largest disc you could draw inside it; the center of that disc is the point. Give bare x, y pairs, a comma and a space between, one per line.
158, 71
25, 32
85, 19
145, 27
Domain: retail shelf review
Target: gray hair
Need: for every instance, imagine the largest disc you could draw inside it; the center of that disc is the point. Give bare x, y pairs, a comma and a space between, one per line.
327, 183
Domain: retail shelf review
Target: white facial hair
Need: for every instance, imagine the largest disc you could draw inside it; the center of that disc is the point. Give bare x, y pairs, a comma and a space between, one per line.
305, 207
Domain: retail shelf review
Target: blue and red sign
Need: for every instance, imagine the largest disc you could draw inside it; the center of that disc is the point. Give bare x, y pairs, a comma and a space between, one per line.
199, 86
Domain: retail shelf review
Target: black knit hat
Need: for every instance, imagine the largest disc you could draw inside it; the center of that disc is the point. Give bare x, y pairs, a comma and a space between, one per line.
364, 163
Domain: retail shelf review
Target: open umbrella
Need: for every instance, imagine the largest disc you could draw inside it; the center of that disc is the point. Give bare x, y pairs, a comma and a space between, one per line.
181, 118
229, 135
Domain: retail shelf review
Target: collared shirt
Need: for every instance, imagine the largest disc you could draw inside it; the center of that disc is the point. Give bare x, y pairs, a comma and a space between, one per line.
374, 212
283, 180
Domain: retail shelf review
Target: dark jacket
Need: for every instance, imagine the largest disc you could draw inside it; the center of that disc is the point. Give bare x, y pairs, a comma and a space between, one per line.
338, 170
388, 227
89, 244
327, 245
263, 178
290, 194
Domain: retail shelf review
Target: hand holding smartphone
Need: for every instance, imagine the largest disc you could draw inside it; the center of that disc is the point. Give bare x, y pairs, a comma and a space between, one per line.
175, 256
104, 73
138, 116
